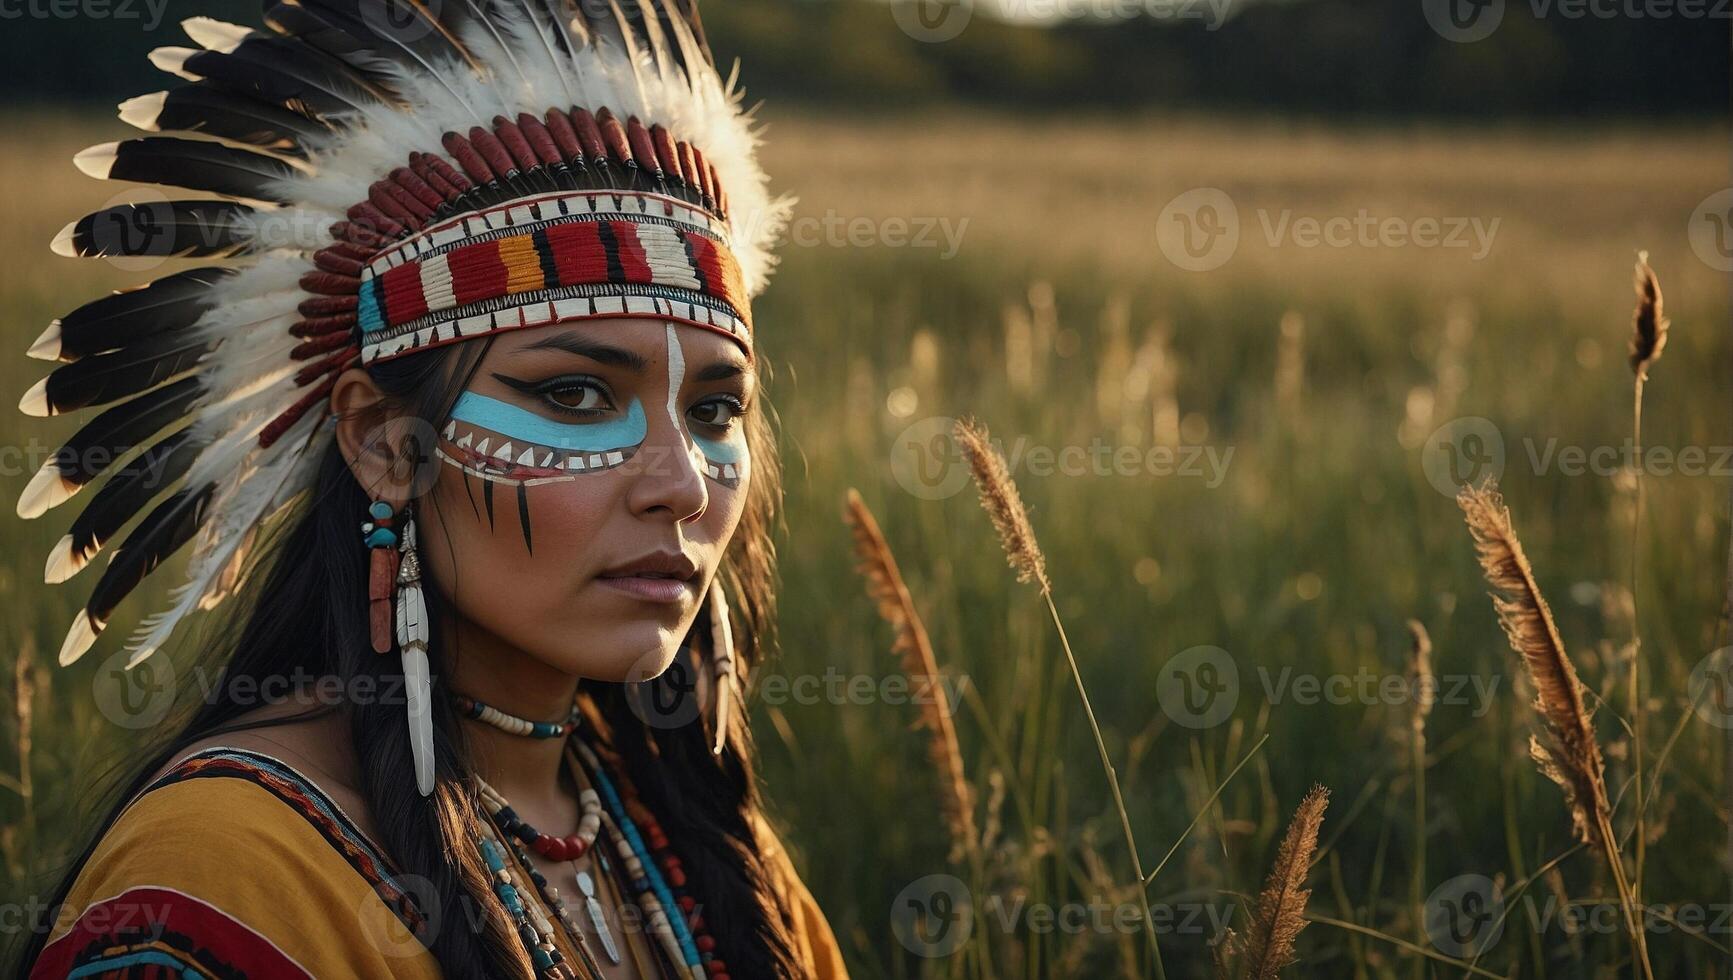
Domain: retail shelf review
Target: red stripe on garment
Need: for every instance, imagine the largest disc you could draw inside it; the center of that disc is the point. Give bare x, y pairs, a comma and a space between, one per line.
138, 932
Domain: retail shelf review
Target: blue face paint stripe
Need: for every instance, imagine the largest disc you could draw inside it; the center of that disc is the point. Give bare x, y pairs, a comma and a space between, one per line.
720, 452
522, 425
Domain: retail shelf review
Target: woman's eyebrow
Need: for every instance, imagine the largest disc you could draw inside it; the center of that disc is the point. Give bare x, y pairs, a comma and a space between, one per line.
720, 371
574, 343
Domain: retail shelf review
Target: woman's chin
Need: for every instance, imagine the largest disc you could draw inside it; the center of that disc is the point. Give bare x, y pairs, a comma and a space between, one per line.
640, 652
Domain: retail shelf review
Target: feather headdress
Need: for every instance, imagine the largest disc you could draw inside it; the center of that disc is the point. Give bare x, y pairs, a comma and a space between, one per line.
386, 177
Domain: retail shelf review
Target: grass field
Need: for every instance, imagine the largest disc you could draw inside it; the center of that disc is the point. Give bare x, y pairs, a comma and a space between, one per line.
1287, 520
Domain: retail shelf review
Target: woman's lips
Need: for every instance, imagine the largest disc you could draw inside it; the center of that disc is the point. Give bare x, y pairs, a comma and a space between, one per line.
649, 588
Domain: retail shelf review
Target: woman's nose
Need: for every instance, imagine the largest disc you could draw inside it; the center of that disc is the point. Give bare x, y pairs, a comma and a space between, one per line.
668, 475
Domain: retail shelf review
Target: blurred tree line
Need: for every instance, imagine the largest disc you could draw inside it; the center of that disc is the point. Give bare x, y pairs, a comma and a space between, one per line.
1330, 57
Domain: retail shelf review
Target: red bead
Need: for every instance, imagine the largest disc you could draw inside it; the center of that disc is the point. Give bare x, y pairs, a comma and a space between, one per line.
687, 903
551, 848
716, 968
705, 944
575, 847
719, 976
677, 878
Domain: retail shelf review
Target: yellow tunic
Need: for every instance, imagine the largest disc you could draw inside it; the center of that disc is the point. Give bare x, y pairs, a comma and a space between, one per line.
234, 864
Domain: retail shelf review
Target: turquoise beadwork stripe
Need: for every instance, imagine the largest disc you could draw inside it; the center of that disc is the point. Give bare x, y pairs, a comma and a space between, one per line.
676, 916
371, 310
146, 958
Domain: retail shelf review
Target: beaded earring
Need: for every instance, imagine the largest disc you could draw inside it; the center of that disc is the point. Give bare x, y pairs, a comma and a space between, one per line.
394, 579
380, 536
721, 665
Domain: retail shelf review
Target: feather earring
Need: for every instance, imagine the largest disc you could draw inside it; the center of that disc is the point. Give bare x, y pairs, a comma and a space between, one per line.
721, 665
412, 632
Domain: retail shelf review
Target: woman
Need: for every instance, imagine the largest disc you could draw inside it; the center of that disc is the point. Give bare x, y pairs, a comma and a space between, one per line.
476, 436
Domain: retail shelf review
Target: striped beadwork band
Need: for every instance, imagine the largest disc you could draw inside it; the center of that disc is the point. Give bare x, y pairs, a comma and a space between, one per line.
550, 259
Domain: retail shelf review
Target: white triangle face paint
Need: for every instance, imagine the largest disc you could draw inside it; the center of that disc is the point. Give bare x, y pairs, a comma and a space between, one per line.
722, 460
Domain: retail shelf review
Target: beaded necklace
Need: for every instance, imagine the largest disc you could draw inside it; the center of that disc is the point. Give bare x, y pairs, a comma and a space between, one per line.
532, 925
567, 848
647, 863
513, 725
660, 890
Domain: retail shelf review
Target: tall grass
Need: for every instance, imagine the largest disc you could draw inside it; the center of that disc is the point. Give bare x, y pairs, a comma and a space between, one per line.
1059, 320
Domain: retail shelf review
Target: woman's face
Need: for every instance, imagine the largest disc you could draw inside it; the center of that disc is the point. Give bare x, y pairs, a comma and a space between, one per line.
589, 480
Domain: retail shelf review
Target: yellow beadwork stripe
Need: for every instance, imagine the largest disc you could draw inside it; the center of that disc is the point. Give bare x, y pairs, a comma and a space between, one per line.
523, 264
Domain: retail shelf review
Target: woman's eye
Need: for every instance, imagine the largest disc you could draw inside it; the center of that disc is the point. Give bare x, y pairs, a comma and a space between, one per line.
578, 398
719, 412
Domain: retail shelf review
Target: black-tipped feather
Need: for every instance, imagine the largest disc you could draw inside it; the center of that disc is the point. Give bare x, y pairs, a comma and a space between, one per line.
424, 33
194, 229
200, 165
202, 107
129, 491
117, 374
286, 73
122, 428
170, 526
168, 304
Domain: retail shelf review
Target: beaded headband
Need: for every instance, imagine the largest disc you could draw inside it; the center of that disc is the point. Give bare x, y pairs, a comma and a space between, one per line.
644, 198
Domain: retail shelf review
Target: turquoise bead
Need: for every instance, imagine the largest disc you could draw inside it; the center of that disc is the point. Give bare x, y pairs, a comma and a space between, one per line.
380, 510
382, 537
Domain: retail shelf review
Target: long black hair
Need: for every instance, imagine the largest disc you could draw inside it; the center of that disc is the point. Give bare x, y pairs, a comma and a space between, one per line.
304, 614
